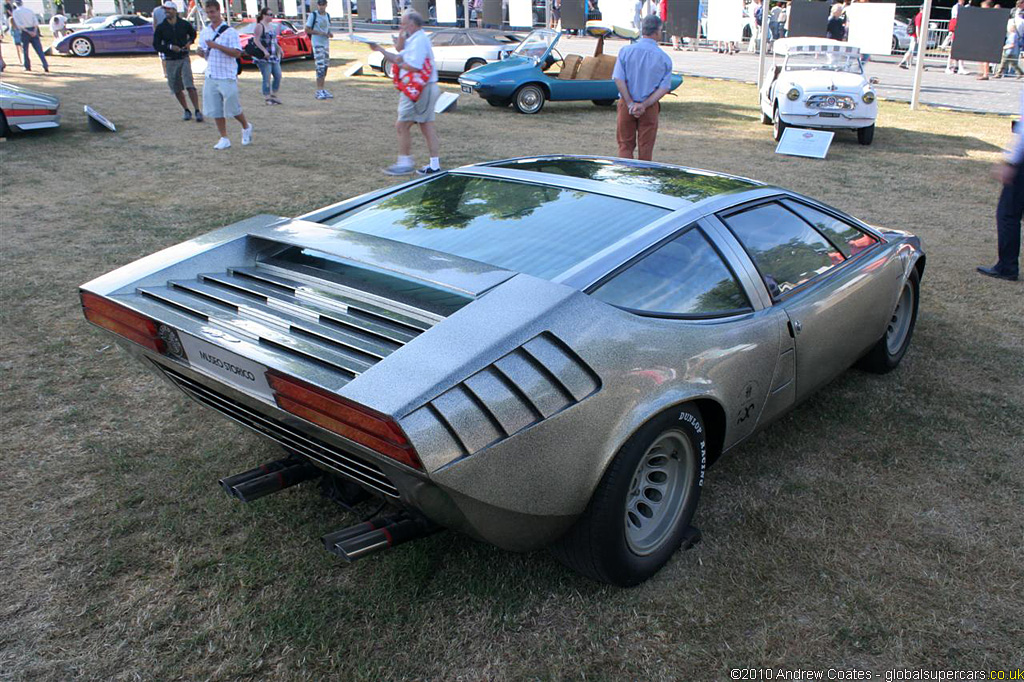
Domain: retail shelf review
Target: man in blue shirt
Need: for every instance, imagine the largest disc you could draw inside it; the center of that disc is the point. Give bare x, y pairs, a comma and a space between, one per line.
643, 74
1010, 209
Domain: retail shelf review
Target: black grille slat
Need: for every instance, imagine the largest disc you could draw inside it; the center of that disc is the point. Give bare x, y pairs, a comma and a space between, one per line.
355, 469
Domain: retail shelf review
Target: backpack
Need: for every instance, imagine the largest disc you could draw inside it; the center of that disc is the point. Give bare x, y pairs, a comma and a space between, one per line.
238, 62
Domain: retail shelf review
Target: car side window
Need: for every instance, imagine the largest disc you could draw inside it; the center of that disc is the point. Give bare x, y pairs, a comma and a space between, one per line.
122, 23
786, 250
441, 39
460, 39
686, 277
847, 238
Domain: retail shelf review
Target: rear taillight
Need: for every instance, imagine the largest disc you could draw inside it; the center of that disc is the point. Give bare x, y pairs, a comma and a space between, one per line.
355, 422
122, 321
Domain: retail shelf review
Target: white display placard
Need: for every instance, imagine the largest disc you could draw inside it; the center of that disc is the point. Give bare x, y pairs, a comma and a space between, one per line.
725, 20
871, 26
291, 8
520, 13
384, 10
446, 12
618, 12
336, 8
446, 101
252, 7
804, 142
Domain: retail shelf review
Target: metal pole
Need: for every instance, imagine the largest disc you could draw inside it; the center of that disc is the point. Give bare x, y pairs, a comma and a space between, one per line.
764, 48
348, 7
922, 46
465, 11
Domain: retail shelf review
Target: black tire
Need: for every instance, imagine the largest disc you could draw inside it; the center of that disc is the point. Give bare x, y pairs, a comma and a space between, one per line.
604, 102
778, 125
529, 99
602, 544
895, 45
866, 135
473, 63
82, 47
4, 129
885, 355
499, 102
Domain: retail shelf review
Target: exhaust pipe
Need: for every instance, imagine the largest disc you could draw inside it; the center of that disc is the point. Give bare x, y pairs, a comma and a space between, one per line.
377, 535
268, 478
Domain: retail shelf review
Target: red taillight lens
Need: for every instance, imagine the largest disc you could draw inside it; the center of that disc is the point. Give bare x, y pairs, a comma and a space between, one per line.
122, 321
355, 422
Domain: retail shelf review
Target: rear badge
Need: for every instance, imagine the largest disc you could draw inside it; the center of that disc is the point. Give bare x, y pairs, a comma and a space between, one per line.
230, 367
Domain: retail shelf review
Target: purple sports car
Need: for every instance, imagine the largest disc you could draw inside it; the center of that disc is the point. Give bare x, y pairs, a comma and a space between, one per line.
119, 33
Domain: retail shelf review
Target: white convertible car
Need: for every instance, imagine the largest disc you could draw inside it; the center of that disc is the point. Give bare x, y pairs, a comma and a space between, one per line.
458, 50
818, 83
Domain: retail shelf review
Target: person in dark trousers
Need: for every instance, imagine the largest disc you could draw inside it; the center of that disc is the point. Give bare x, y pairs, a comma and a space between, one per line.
643, 75
173, 39
1010, 210
27, 22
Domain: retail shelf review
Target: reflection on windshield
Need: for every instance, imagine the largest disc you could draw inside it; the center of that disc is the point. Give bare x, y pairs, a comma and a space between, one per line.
536, 44
536, 229
824, 61
675, 182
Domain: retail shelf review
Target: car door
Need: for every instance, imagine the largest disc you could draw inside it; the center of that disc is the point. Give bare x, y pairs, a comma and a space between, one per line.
836, 282
458, 53
119, 37
440, 42
144, 36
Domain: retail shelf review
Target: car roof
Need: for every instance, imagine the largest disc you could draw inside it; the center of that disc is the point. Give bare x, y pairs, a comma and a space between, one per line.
784, 46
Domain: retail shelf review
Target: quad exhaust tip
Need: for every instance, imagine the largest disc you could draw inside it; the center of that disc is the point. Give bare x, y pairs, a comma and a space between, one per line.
376, 535
268, 478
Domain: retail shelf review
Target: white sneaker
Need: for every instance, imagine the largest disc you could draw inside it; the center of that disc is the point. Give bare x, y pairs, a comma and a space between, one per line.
319, 94
327, 94
223, 143
246, 135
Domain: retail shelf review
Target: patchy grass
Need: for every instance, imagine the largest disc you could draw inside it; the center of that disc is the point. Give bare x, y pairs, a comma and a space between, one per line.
878, 525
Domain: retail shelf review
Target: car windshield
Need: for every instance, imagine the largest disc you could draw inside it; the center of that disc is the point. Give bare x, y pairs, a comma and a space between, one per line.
536, 44
824, 61
535, 229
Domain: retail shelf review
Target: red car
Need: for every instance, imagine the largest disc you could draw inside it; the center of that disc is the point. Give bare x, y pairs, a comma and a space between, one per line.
294, 42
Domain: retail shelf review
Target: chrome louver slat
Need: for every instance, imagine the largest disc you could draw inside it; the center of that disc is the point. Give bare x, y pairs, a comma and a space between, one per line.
322, 327
357, 470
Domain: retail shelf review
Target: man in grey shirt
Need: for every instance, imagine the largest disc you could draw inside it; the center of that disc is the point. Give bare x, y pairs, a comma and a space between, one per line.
643, 74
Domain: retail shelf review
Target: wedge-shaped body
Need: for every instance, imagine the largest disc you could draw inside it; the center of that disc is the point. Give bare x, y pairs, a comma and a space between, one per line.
119, 33
533, 352
23, 109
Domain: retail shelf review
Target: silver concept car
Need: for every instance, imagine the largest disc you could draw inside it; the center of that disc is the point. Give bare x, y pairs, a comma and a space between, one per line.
537, 352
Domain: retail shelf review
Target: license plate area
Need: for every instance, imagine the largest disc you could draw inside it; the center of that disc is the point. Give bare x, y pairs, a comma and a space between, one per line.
466, 88
231, 368
826, 114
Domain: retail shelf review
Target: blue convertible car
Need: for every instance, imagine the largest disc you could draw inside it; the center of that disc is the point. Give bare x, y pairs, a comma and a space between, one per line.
119, 33
528, 77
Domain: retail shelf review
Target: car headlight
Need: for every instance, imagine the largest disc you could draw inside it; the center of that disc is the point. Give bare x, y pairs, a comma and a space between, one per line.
868, 97
793, 94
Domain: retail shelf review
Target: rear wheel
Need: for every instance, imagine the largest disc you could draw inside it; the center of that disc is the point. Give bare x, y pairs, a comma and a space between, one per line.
473, 63
529, 99
890, 349
866, 135
82, 47
644, 503
778, 125
4, 129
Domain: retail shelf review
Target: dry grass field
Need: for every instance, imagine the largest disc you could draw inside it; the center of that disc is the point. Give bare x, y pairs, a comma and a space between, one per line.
879, 525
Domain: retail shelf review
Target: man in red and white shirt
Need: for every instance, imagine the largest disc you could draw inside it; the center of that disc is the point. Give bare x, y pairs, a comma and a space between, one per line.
220, 45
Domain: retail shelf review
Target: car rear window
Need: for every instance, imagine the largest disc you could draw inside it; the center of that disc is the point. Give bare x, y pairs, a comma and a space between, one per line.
676, 182
534, 229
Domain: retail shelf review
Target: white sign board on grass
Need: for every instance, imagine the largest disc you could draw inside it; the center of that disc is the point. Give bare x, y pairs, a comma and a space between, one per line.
803, 142
871, 26
725, 20
384, 10
618, 12
335, 8
291, 8
252, 7
446, 13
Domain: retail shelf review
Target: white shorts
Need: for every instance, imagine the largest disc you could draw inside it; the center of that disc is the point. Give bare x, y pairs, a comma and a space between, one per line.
422, 110
220, 98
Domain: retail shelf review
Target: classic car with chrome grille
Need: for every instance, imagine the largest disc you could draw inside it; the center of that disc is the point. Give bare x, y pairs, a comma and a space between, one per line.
821, 84
536, 352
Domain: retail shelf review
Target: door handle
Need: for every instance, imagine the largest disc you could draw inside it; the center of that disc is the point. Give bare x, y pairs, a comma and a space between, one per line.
795, 328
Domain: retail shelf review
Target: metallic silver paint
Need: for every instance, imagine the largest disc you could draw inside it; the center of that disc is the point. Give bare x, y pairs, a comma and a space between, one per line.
518, 401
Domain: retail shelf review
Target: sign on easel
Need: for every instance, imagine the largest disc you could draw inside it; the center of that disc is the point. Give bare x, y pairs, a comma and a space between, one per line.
98, 121
813, 144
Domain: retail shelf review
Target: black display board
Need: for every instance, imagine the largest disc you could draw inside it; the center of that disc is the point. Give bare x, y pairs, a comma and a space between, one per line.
980, 34
423, 7
492, 12
574, 14
74, 8
681, 18
146, 6
364, 9
807, 19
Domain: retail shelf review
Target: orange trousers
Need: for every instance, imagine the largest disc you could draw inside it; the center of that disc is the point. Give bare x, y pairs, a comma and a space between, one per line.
632, 132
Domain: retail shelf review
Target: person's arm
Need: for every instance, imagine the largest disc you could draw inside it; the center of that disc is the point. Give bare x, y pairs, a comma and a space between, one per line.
1007, 171
664, 86
619, 76
191, 36
257, 36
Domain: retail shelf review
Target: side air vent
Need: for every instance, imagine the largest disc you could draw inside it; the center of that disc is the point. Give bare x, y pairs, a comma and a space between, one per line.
532, 383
